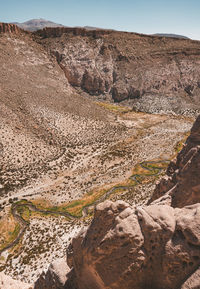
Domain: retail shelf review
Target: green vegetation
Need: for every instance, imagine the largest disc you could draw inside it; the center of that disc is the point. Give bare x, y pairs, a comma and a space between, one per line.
114, 107
12, 235
24, 212
142, 173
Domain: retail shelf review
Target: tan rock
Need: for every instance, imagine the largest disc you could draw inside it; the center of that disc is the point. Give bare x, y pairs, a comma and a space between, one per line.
149, 247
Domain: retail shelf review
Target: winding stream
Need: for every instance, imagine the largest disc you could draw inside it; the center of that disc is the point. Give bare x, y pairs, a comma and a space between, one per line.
152, 168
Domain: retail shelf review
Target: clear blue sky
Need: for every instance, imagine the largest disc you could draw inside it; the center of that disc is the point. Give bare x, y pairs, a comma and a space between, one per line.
144, 16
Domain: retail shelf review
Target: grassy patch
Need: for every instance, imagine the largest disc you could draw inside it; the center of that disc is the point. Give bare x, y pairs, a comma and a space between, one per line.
9, 236
24, 212
113, 107
180, 144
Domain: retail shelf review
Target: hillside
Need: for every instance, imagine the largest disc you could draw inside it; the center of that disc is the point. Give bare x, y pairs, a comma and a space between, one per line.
150, 73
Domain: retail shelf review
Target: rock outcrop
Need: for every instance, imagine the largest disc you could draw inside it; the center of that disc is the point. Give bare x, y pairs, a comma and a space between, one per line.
155, 73
55, 277
10, 28
182, 184
150, 247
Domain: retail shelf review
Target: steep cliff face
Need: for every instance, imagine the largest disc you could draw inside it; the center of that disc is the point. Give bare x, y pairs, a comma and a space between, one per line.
123, 66
10, 28
182, 184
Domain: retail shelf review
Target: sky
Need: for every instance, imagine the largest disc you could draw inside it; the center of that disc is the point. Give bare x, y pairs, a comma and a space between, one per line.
142, 16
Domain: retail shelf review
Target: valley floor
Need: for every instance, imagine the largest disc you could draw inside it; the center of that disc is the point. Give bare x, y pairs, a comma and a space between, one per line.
131, 161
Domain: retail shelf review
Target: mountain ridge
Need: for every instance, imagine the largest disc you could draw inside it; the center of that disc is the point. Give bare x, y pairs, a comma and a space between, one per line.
36, 24
40, 23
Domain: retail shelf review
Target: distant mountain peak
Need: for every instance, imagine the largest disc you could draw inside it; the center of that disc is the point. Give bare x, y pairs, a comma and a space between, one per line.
37, 24
171, 35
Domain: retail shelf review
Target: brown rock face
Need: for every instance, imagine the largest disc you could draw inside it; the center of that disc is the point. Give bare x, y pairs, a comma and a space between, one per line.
10, 28
150, 247
183, 181
154, 72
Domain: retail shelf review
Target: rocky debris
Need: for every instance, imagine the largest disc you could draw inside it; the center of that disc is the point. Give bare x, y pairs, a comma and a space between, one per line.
143, 247
182, 184
153, 73
7, 282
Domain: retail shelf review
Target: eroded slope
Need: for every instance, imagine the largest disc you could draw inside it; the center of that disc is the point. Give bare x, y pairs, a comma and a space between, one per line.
154, 73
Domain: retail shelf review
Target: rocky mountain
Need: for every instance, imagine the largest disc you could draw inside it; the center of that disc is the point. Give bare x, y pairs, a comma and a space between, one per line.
36, 24
155, 246
150, 72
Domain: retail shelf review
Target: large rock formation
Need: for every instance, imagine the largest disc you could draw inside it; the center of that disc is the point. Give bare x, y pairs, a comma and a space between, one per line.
182, 184
10, 28
151, 247
155, 247
155, 72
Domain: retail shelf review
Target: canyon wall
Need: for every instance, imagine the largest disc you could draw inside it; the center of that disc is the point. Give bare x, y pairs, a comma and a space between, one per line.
10, 28
153, 73
182, 183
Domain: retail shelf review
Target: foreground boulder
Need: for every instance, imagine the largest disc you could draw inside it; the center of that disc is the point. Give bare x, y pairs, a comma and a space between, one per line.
150, 247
